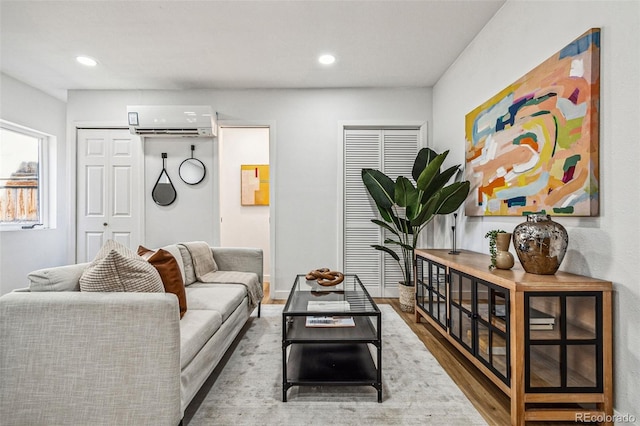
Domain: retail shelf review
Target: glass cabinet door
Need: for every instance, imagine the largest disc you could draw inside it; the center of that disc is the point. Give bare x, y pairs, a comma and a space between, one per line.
431, 291
438, 296
461, 308
422, 290
492, 332
564, 345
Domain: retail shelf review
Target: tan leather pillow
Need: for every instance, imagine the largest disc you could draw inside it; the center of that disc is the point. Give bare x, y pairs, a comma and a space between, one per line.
169, 270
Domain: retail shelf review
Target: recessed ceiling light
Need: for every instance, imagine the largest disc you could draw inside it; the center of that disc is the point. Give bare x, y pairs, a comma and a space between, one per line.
85, 60
326, 59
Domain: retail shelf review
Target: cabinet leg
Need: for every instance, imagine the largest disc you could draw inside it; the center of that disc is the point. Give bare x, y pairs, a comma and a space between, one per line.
517, 412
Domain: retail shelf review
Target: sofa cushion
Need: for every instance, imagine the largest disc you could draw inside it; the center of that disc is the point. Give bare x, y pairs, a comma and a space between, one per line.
223, 298
202, 258
59, 278
189, 272
117, 268
169, 271
196, 328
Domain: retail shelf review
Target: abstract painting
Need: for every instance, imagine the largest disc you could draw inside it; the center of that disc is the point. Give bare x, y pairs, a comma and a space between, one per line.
533, 147
254, 183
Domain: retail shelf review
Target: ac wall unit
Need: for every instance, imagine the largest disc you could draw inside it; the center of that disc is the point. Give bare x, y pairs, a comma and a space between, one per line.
172, 120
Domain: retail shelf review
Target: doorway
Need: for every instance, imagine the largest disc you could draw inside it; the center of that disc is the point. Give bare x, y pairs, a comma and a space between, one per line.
245, 190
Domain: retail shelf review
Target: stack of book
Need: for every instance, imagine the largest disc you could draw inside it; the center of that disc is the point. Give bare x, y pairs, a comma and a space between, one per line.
328, 306
539, 320
329, 321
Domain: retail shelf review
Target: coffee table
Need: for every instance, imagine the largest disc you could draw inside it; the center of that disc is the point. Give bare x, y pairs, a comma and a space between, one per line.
316, 351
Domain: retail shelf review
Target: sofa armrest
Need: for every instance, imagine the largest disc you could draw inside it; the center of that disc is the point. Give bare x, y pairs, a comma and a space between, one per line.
239, 259
89, 358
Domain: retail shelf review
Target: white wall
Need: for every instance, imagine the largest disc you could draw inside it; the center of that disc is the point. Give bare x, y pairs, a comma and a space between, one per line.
520, 36
26, 250
243, 226
303, 158
189, 217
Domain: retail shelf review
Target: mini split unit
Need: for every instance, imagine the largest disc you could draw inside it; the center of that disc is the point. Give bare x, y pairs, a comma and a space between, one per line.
172, 121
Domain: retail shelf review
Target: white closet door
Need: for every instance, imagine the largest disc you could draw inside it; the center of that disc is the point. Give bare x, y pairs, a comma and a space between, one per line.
109, 190
400, 148
362, 150
392, 151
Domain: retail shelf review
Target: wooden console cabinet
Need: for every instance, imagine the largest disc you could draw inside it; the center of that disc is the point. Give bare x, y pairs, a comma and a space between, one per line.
545, 340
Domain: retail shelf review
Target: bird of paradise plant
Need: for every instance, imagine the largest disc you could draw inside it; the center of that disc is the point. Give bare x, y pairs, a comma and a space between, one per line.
406, 209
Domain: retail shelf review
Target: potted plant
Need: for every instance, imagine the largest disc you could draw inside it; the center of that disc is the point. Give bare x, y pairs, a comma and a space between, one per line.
499, 249
406, 209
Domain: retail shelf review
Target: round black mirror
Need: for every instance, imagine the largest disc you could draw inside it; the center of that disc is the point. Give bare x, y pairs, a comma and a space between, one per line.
192, 170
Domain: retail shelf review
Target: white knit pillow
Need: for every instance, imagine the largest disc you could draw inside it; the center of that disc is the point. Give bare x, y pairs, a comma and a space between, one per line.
117, 268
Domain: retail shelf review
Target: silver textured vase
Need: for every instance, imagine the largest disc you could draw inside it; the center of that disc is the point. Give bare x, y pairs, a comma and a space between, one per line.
540, 244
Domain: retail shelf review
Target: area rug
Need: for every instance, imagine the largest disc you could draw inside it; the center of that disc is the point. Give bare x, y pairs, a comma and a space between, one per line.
246, 389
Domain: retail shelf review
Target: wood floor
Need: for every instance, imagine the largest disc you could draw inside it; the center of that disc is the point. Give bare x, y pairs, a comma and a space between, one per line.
490, 401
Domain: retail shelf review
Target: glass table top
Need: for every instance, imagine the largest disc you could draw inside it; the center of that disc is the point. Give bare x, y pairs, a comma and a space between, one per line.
309, 297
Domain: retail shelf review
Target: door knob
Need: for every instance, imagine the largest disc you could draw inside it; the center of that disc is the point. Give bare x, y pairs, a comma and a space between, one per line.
105, 224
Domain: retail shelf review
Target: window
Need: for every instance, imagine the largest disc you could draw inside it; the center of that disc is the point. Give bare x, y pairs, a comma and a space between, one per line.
23, 181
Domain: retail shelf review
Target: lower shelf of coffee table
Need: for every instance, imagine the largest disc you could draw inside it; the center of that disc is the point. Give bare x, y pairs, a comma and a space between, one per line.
335, 364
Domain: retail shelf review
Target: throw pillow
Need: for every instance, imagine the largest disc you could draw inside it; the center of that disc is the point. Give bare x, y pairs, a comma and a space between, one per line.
169, 271
189, 272
117, 268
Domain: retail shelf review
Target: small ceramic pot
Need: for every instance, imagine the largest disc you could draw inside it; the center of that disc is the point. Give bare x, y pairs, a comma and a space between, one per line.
504, 259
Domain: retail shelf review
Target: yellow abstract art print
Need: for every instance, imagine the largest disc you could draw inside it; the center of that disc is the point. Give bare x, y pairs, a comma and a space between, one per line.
254, 183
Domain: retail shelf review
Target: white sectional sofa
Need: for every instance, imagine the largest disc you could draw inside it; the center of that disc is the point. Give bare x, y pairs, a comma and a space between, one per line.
69, 357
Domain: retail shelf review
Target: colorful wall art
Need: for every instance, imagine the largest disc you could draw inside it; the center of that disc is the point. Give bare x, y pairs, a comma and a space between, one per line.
534, 146
254, 183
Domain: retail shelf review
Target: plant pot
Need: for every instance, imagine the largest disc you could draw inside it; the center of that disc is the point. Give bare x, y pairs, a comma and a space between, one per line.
504, 259
407, 296
540, 244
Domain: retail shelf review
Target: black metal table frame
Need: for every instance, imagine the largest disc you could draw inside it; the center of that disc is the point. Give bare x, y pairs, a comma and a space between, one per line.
331, 356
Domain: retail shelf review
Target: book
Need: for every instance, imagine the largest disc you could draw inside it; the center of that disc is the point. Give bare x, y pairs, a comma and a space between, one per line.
328, 305
330, 322
539, 317
541, 326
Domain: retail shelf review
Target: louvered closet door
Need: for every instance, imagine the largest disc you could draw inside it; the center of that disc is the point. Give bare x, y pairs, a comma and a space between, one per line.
400, 148
362, 150
393, 152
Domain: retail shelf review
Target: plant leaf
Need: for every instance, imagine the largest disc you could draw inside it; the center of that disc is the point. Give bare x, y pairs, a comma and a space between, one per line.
406, 195
424, 157
428, 210
380, 187
431, 171
386, 214
398, 243
439, 182
387, 250
385, 226
452, 197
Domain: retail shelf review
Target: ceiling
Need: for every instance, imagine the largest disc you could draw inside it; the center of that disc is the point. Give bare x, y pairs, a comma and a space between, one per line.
180, 44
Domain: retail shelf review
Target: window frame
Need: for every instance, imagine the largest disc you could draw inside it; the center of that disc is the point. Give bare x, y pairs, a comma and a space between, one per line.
46, 179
